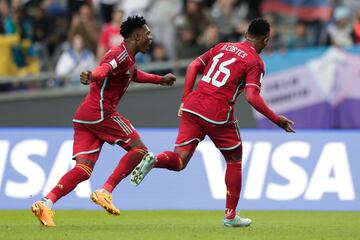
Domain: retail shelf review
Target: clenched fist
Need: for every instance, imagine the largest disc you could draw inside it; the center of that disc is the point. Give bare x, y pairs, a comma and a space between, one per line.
86, 77
168, 80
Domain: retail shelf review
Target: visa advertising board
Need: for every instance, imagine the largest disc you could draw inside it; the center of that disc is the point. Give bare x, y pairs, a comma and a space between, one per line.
308, 170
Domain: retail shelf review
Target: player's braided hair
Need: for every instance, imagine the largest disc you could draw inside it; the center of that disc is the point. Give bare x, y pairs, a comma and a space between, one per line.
259, 27
130, 24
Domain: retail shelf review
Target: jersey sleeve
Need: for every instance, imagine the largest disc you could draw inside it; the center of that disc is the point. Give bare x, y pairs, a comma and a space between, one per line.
254, 76
205, 57
111, 60
108, 63
144, 77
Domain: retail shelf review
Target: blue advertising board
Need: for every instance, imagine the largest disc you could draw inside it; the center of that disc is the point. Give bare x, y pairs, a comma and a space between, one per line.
309, 170
315, 87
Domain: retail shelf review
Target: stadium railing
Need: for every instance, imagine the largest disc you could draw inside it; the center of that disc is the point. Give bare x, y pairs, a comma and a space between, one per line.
49, 87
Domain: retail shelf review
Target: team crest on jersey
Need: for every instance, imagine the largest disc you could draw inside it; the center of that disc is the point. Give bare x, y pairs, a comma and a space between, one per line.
113, 63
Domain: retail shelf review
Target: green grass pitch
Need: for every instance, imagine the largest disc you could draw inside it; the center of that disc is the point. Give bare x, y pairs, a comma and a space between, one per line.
97, 225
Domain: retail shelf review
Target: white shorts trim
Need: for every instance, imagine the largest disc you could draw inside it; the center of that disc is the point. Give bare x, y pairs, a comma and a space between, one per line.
231, 148
207, 119
187, 142
86, 152
121, 140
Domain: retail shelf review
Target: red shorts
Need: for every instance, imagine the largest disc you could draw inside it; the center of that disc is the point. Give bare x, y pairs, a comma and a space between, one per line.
89, 138
194, 128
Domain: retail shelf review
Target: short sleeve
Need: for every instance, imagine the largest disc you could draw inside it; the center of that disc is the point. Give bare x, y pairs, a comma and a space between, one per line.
254, 76
205, 57
111, 59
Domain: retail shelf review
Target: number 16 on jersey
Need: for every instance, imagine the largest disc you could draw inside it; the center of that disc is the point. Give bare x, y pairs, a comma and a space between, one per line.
220, 68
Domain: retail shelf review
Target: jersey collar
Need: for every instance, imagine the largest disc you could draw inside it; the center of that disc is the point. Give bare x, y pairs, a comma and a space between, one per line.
128, 52
250, 46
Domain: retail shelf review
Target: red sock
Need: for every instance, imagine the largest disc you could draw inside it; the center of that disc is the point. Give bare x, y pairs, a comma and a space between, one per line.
169, 160
233, 177
125, 166
69, 181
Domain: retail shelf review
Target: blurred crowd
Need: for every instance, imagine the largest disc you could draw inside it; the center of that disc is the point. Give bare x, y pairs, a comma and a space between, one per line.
68, 36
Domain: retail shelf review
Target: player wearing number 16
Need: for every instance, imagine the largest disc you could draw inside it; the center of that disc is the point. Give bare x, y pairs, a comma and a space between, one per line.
227, 70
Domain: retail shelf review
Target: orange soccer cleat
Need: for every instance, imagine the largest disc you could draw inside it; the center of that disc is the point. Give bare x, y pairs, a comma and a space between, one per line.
105, 201
43, 214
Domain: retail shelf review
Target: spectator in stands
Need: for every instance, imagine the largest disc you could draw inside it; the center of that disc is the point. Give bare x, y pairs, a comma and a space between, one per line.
210, 37
22, 51
55, 12
110, 34
226, 15
340, 31
41, 31
73, 61
194, 15
85, 24
356, 30
24, 54
300, 38
186, 45
238, 33
107, 8
276, 41
159, 14
254, 8
73, 7
7, 66
159, 54
137, 7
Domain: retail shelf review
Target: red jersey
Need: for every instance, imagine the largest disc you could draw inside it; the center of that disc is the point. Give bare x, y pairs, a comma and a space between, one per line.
229, 68
106, 93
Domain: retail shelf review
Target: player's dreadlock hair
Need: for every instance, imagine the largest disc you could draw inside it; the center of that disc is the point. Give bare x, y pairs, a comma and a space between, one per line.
259, 27
130, 24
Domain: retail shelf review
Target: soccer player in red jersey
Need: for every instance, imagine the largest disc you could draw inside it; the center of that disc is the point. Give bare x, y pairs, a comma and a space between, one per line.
96, 120
227, 70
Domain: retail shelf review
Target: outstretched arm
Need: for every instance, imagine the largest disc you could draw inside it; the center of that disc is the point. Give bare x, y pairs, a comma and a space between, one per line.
99, 73
257, 102
144, 77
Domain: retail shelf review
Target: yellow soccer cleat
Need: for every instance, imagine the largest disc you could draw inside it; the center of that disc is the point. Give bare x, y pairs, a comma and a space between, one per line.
105, 201
43, 214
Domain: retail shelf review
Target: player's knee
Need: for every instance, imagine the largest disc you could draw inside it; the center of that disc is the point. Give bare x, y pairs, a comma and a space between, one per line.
181, 167
185, 154
183, 161
233, 154
136, 145
142, 150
